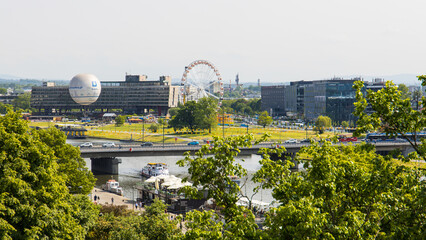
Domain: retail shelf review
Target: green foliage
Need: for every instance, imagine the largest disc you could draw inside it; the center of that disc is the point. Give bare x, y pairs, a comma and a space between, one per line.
345, 124
264, 119
151, 224
391, 114
22, 102
242, 106
34, 198
71, 166
346, 192
196, 115
203, 225
416, 99
405, 92
3, 90
119, 120
213, 168
173, 111
4, 108
322, 123
154, 127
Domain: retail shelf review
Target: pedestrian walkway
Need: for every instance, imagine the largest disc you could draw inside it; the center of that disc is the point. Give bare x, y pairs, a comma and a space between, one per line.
108, 198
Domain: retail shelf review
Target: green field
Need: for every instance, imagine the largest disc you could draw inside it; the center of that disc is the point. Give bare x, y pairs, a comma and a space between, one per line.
140, 132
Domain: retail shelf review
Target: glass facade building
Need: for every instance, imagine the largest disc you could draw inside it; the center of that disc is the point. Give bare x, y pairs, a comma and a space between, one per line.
309, 99
135, 95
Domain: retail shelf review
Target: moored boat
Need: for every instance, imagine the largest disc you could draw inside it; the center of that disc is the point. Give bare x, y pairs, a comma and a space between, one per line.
155, 169
113, 186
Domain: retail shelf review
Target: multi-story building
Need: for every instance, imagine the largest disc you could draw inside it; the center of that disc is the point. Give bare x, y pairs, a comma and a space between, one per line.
273, 99
309, 99
134, 95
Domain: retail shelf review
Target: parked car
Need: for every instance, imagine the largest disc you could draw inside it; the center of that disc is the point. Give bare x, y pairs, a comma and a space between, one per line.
194, 143
86, 144
305, 141
291, 141
146, 144
108, 144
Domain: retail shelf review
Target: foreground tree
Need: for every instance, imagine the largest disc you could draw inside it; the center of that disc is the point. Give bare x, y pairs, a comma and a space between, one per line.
78, 178
213, 168
392, 113
118, 223
34, 197
346, 192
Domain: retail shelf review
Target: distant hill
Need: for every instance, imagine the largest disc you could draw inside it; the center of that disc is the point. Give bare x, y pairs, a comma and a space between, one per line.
10, 77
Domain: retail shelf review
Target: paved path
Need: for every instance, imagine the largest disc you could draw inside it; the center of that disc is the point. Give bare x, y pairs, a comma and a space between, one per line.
106, 199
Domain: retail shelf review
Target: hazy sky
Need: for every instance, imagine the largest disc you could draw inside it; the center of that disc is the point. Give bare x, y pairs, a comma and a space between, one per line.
275, 41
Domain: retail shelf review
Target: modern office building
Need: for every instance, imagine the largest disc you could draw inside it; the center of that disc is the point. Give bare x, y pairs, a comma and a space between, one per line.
134, 95
309, 99
333, 98
273, 99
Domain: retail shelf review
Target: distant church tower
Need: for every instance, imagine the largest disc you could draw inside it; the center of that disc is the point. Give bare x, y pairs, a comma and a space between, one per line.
258, 82
237, 80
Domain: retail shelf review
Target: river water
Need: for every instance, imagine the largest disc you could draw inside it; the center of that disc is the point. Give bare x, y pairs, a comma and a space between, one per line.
130, 168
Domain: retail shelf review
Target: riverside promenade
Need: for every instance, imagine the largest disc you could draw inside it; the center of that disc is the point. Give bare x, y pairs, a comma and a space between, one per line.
106, 199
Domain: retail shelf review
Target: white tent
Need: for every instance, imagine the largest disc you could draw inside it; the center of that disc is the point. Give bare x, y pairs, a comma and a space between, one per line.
151, 179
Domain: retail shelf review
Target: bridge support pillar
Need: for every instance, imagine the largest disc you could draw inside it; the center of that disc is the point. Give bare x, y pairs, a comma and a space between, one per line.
284, 156
105, 165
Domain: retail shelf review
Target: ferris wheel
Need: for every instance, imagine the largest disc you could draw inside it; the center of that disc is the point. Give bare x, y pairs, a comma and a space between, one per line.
201, 79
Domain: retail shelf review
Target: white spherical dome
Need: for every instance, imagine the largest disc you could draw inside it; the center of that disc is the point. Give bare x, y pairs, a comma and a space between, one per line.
85, 88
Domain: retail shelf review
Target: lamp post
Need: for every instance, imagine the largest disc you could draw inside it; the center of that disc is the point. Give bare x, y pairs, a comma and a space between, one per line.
143, 129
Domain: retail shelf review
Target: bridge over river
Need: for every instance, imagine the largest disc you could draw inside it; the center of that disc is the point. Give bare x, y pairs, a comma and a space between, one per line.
106, 159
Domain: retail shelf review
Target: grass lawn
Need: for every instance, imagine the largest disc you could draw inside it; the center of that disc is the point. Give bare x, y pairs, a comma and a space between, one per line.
138, 130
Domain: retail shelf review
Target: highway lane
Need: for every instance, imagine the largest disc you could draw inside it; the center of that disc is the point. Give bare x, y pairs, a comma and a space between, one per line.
131, 149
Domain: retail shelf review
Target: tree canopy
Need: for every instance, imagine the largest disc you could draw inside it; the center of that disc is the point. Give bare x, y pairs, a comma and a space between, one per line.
346, 192
390, 113
196, 115
22, 102
322, 123
35, 202
119, 120
264, 119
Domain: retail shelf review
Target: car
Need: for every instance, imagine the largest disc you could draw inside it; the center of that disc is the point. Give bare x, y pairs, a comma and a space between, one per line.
291, 141
146, 144
194, 143
86, 144
305, 141
108, 144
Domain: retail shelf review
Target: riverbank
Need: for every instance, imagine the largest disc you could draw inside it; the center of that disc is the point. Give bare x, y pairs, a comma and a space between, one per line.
108, 198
